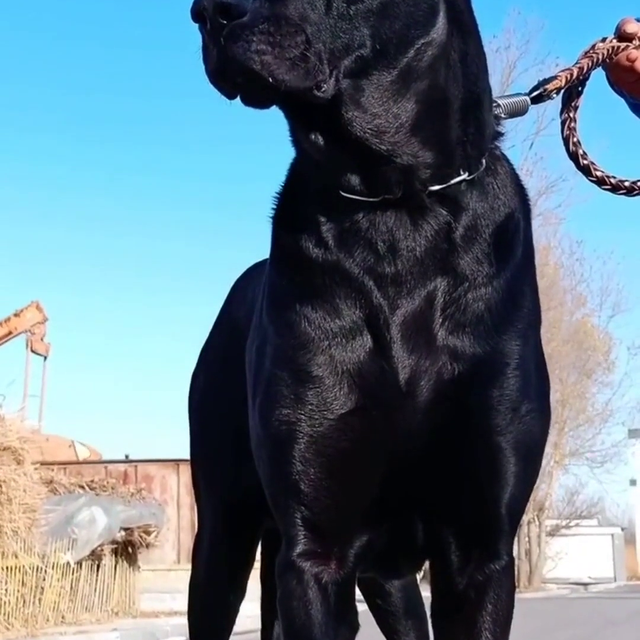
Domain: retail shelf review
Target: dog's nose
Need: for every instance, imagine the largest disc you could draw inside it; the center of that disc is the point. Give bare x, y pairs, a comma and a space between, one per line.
205, 12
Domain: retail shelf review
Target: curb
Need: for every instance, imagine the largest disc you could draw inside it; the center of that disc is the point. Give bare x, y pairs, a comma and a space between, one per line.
137, 629
140, 629
546, 593
606, 586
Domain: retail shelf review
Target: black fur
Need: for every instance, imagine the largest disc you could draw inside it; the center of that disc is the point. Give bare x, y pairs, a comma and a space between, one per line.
374, 394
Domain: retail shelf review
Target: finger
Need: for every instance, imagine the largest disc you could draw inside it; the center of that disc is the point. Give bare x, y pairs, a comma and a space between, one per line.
622, 73
630, 73
624, 63
628, 28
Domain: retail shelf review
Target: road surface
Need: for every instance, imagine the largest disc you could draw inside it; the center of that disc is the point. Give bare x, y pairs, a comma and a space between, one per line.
614, 614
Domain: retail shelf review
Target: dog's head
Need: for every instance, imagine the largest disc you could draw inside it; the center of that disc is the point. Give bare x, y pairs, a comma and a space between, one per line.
397, 76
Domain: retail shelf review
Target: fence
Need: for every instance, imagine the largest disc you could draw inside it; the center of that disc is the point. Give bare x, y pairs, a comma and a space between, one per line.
40, 588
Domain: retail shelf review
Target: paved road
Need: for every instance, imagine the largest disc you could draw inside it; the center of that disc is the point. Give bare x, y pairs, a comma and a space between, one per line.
611, 614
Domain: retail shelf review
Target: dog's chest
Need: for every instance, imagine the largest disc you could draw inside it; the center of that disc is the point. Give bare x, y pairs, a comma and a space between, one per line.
369, 314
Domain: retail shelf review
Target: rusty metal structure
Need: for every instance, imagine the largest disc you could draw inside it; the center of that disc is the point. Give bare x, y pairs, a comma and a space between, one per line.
31, 322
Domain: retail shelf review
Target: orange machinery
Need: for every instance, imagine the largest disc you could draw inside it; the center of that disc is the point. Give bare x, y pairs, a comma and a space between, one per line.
30, 321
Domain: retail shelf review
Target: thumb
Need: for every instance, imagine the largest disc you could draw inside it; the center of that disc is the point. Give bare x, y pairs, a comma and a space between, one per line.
628, 28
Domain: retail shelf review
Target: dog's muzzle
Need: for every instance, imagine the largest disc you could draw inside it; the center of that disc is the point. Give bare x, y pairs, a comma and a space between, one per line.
257, 53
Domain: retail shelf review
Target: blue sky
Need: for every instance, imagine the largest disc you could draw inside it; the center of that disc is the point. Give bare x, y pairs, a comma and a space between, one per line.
132, 195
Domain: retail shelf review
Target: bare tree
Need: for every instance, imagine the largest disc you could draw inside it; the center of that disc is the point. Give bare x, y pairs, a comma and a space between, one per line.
581, 299
516, 62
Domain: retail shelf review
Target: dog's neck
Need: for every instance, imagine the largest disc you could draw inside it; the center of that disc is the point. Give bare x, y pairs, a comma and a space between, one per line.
315, 228
365, 176
430, 130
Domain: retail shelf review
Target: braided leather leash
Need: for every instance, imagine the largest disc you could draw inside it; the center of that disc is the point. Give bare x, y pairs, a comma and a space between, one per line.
572, 82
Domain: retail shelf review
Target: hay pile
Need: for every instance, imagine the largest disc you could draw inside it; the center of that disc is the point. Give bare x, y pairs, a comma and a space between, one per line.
39, 587
24, 485
58, 484
21, 488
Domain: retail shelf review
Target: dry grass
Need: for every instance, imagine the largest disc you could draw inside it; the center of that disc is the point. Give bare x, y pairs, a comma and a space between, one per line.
41, 589
57, 484
24, 486
21, 488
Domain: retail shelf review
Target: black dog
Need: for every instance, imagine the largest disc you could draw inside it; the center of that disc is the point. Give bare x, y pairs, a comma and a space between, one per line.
374, 394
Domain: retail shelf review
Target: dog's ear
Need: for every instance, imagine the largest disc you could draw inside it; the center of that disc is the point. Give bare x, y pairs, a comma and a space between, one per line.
423, 69
380, 35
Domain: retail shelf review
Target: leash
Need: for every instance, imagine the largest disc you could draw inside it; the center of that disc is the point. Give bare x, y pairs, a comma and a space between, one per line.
571, 82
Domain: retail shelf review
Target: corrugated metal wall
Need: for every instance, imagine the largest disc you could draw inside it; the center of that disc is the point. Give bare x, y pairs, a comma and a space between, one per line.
169, 481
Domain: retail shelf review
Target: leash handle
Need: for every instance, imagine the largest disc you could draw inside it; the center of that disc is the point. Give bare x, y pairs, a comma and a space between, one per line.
571, 82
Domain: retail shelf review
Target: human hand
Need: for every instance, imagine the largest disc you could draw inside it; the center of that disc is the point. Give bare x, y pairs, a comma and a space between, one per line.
624, 71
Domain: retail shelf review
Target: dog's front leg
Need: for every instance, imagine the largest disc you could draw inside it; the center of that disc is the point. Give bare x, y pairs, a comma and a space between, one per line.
504, 415
269, 548
316, 597
475, 600
321, 455
396, 606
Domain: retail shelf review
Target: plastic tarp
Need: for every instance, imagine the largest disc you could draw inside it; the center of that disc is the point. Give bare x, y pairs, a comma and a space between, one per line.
87, 521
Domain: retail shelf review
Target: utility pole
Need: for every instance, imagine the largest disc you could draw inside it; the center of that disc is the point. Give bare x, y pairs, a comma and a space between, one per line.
634, 491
